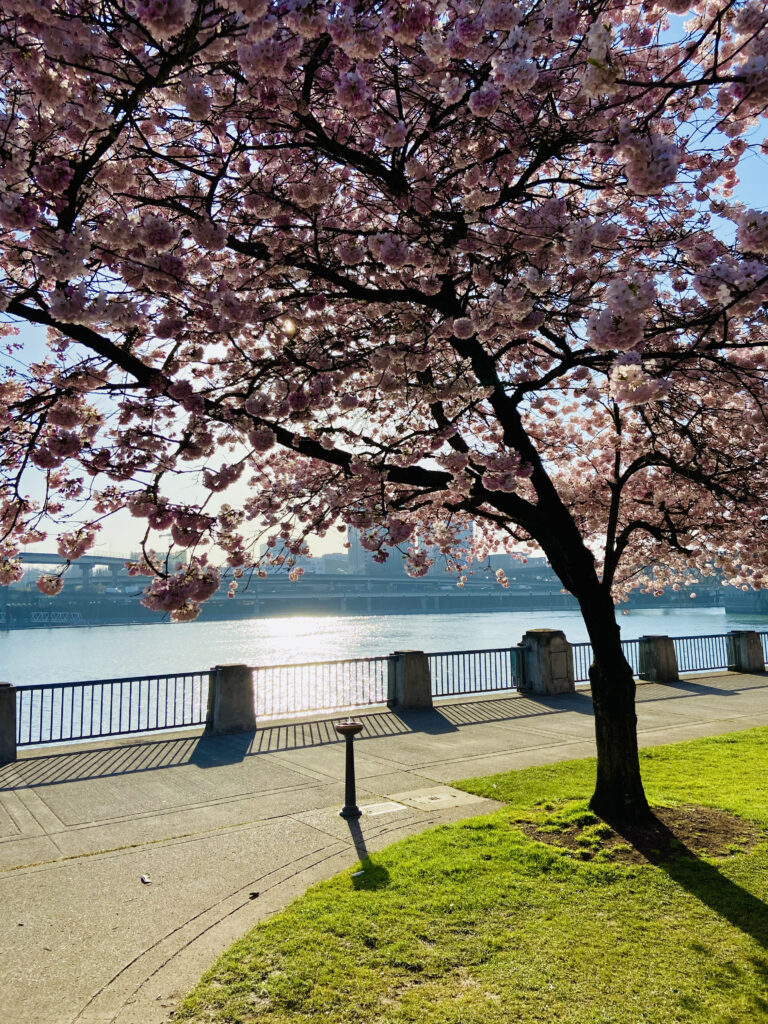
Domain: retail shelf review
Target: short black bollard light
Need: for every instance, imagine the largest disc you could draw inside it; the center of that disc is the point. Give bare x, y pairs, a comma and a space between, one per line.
349, 730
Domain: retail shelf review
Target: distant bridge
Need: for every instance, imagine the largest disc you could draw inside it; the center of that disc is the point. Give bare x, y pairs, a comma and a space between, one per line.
86, 564
52, 558
435, 591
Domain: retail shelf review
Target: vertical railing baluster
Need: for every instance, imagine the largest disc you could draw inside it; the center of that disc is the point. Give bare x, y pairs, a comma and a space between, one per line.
61, 713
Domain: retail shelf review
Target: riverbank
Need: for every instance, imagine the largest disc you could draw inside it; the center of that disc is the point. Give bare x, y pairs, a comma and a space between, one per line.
319, 597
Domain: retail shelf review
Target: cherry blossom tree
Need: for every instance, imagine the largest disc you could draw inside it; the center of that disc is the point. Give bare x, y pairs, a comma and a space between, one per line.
398, 265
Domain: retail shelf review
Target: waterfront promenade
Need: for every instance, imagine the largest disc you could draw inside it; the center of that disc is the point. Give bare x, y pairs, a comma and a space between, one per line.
127, 866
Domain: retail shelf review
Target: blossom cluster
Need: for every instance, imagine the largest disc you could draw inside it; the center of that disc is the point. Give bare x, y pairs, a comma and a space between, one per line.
182, 592
651, 163
11, 570
631, 384
618, 326
50, 585
505, 472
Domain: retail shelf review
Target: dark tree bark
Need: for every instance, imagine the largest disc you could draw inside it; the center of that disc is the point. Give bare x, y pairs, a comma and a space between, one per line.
619, 793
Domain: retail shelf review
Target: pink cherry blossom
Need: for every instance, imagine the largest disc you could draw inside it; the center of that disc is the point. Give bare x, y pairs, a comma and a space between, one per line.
164, 18
651, 163
75, 544
50, 585
352, 91
484, 101
11, 570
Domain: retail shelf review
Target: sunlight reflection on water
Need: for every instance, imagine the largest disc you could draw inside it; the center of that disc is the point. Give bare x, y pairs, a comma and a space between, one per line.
59, 655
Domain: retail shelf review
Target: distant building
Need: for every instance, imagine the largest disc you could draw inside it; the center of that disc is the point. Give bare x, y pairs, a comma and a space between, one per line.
334, 563
357, 553
464, 538
361, 561
507, 563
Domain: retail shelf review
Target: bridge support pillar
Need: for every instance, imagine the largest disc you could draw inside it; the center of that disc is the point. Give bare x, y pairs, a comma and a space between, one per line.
410, 681
547, 662
231, 700
658, 662
745, 651
7, 723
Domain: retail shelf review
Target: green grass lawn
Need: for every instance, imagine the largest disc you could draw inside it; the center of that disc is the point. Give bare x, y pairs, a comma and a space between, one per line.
475, 923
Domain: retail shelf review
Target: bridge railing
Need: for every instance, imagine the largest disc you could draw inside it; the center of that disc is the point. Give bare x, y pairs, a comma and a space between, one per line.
298, 689
483, 671
63, 712
59, 712
582, 658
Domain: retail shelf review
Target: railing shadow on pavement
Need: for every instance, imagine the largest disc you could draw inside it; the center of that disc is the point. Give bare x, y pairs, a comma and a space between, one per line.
431, 721
649, 691
154, 752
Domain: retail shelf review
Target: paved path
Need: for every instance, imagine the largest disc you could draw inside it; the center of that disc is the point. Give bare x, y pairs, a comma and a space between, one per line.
228, 830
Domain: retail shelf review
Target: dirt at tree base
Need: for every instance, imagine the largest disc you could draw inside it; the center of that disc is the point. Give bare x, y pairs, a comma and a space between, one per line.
672, 832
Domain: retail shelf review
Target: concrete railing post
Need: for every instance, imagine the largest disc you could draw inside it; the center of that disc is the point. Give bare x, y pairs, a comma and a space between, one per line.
658, 662
392, 680
547, 662
7, 723
232, 706
410, 680
745, 652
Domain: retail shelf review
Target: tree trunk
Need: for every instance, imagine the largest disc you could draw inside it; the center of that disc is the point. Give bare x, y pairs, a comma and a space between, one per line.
619, 794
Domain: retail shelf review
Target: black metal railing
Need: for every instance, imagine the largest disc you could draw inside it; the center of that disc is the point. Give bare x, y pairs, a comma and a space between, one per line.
59, 712
483, 671
283, 690
699, 653
631, 650
694, 654
582, 658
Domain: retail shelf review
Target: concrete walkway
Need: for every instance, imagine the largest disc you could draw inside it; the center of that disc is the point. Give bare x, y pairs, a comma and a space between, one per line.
228, 830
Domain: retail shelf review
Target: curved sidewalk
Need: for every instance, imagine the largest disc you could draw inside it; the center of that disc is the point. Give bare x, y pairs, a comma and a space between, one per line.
127, 867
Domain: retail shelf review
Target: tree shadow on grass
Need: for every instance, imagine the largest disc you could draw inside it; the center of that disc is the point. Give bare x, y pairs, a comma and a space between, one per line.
373, 875
705, 881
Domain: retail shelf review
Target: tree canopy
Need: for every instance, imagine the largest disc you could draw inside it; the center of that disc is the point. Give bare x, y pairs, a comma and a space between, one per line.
397, 265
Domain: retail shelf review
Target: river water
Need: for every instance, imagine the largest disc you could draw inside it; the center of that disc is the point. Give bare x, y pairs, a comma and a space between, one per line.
104, 652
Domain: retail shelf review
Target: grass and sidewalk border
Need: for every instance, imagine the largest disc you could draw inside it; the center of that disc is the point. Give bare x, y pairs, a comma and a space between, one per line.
479, 922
